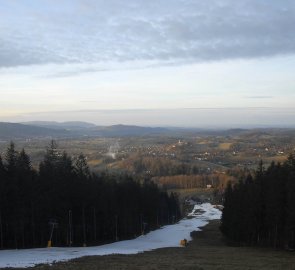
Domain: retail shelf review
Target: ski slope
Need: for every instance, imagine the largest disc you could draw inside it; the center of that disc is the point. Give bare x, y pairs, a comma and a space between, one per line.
167, 236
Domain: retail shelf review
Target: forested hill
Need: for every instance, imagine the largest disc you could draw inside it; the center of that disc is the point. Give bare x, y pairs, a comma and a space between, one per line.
91, 129
83, 208
37, 129
76, 129
14, 130
261, 210
70, 125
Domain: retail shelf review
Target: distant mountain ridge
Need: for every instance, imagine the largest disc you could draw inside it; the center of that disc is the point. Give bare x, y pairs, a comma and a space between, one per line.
44, 129
21, 131
125, 130
60, 125
39, 129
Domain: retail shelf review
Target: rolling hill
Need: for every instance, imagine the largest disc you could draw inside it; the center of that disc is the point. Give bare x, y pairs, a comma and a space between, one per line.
12, 131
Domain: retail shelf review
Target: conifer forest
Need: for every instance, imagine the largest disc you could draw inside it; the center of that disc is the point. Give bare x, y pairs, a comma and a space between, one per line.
260, 210
63, 202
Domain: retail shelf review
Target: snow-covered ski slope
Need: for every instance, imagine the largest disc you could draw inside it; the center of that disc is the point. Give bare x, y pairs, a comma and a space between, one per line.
167, 236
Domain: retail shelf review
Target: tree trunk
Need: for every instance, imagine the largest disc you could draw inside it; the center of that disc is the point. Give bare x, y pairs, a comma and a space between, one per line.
1, 231
94, 223
84, 226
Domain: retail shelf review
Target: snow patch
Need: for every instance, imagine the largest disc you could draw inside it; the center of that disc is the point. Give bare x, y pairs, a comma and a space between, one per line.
167, 236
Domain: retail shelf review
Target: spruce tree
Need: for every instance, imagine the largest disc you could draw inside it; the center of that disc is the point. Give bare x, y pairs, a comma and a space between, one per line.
81, 167
11, 159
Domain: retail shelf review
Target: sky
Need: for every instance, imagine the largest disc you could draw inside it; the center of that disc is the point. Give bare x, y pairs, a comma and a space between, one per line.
217, 63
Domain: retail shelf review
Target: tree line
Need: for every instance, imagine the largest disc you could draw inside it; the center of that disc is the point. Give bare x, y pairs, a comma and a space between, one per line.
261, 209
64, 202
159, 166
216, 180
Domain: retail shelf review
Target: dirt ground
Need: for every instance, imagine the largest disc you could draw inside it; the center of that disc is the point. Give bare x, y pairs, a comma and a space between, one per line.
206, 251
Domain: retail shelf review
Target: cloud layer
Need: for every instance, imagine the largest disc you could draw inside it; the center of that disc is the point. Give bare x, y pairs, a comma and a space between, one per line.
93, 31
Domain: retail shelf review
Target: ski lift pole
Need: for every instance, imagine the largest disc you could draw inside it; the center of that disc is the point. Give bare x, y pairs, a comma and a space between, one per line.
70, 228
116, 227
49, 244
52, 223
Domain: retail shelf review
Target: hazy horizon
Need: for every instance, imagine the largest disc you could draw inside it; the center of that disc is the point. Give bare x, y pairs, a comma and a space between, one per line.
225, 118
60, 60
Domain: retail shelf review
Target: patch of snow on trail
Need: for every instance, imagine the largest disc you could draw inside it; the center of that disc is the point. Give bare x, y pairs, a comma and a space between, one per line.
167, 236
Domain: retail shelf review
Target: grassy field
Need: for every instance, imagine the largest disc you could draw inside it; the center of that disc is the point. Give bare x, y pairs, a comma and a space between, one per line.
206, 251
224, 146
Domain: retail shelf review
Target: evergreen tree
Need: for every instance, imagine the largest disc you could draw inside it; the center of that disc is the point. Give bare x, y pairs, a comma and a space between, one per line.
23, 162
81, 167
3, 200
261, 211
11, 158
84, 207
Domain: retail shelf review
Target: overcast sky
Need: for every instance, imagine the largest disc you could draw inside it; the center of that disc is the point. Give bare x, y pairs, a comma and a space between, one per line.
138, 61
